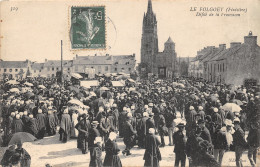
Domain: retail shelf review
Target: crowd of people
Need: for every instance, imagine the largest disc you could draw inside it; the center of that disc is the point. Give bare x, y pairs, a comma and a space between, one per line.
201, 120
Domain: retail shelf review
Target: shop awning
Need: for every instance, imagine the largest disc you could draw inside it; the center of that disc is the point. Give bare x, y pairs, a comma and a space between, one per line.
76, 75
117, 84
89, 84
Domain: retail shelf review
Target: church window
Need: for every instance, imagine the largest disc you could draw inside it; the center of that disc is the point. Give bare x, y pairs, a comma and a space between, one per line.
10, 70
115, 69
16, 70
52, 68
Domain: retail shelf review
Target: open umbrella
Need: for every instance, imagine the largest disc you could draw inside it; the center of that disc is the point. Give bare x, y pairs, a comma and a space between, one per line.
12, 82
232, 107
181, 85
103, 89
131, 80
41, 87
14, 90
28, 84
21, 137
76, 102
238, 102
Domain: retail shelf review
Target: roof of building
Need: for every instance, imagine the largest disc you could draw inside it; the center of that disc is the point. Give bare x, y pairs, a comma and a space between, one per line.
14, 64
229, 52
37, 66
105, 60
119, 57
56, 63
169, 40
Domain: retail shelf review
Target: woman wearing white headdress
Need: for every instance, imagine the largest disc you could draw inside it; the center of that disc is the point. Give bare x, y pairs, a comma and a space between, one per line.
74, 119
112, 151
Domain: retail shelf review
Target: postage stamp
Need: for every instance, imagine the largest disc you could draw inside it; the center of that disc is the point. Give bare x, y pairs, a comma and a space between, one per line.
88, 29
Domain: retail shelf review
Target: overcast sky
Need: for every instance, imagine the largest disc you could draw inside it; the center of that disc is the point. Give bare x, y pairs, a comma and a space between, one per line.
34, 31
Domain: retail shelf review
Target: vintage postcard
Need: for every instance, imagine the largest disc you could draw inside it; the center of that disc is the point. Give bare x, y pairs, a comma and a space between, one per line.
129, 83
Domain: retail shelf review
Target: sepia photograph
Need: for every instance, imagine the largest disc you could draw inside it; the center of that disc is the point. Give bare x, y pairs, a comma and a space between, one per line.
129, 83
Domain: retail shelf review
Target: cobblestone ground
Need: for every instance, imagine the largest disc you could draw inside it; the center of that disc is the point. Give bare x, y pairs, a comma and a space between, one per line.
51, 150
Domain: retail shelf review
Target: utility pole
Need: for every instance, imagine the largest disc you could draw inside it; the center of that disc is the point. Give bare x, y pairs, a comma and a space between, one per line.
61, 62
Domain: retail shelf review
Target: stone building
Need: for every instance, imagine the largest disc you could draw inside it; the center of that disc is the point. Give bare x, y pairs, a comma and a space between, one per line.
51, 67
15, 69
37, 69
162, 64
104, 64
237, 65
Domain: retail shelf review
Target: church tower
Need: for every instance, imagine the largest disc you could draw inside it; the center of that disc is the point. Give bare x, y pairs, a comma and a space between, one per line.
149, 42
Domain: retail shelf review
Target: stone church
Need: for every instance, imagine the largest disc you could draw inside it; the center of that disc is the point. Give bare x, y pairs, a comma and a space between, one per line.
161, 64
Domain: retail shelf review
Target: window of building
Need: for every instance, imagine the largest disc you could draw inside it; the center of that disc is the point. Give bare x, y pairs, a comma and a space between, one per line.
52, 68
16, 75
35, 71
48, 68
16, 70
106, 68
129, 69
10, 70
123, 69
116, 62
115, 69
92, 67
5, 70
52, 75
223, 68
57, 68
68, 68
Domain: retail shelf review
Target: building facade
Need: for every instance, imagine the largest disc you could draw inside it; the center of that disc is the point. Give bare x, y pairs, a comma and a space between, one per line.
15, 69
162, 64
237, 65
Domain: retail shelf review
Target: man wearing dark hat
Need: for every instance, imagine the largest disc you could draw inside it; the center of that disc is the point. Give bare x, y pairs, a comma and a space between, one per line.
83, 127
150, 123
220, 144
239, 142
180, 144
129, 136
192, 146
253, 140
205, 134
93, 133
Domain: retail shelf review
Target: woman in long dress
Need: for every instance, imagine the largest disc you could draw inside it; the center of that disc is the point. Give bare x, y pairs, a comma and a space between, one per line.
74, 131
112, 150
152, 154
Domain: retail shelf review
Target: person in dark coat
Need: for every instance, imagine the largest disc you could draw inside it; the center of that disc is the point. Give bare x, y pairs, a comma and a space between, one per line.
205, 157
192, 146
216, 118
205, 134
25, 158
96, 153
169, 117
32, 126
162, 129
122, 119
17, 124
93, 133
191, 119
150, 122
25, 119
179, 140
83, 127
51, 124
7, 157
152, 154
253, 141
65, 126
41, 124
105, 126
129, 136
220, 144
112, 151
239, 142
142, 133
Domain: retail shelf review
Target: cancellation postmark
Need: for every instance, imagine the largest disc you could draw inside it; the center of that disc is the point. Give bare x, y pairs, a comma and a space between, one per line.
88, 29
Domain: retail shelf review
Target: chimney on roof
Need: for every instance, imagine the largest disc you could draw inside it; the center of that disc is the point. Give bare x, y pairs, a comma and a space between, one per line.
107, 54
95, 54
234, 44
250, 39
134, 54
45, 60
222, 46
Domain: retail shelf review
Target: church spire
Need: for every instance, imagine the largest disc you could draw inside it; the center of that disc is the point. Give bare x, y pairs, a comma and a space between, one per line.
149, 8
